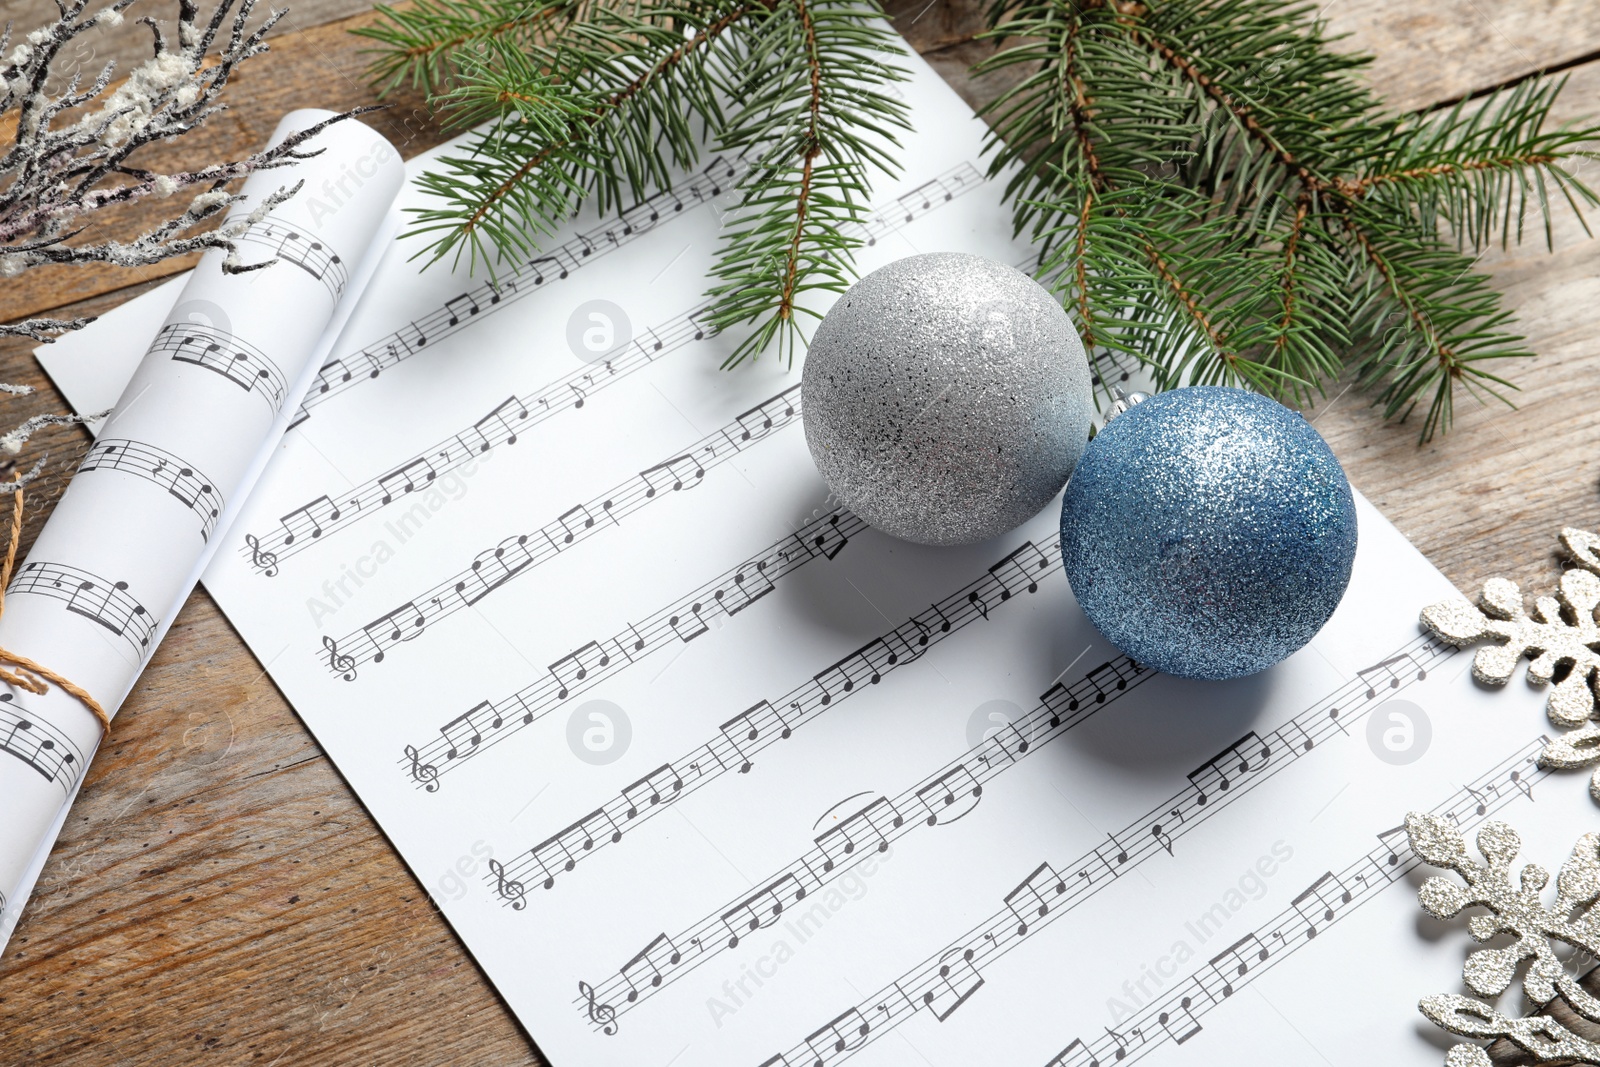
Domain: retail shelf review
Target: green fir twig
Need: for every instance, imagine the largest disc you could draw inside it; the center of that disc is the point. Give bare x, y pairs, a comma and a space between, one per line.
581, 100
1221, 196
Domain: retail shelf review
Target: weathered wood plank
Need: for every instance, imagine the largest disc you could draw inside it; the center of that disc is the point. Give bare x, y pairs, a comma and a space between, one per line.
129, 44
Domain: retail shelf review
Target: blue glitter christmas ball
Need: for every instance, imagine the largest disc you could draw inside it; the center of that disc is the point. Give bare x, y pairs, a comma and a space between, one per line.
1208, 532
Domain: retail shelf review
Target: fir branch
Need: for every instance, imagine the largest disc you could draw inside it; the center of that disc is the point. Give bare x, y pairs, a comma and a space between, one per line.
608, 103
1364, 216
815, 130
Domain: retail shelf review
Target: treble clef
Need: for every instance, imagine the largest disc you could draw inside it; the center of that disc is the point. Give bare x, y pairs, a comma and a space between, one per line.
602, 1015
261, 558
424, 774
342, 663
508, 888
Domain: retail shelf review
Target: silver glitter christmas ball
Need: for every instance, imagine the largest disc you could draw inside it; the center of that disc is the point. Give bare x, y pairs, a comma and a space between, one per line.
946, 398
1208, 532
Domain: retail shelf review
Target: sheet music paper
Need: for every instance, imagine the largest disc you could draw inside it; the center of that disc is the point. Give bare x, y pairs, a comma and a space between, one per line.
210, 397
705, 771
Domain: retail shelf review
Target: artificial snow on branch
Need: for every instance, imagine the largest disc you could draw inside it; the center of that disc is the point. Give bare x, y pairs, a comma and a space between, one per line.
71, 156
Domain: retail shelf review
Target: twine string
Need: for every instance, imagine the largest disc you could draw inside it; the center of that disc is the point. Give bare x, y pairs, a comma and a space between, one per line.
29, 674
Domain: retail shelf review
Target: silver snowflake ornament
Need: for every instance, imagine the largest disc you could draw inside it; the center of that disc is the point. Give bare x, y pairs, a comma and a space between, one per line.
1517, 910
1560, 636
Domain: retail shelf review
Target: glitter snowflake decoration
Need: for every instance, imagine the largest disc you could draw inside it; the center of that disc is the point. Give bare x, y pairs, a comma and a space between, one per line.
1560, 637
1519, 911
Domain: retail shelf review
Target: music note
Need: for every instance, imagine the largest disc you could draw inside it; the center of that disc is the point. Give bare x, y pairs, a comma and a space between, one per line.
411, 476
674, 474
762, 908
452, 308
661, 785
870, 826
30, 746
309, 518
1395, 842
393, 628
1032, 899
688, 624
750, 584
1178, 1021
759, 420
1329, 892
575, 666
1019, 571
1394, 678
847, 1031
823, 538
956, 980
1235, 960
500, 419
494, 568
645, 970
749, 727
465, 728
1122, 853
920, 195
1221, 772
941, 796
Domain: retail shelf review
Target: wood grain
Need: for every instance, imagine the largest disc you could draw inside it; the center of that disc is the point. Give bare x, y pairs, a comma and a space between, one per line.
220, 896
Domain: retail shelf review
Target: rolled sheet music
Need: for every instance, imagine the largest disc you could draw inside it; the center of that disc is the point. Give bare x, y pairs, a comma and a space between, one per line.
172, 465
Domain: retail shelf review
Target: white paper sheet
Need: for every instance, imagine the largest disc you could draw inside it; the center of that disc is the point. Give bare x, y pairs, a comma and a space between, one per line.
173, 463
705, 772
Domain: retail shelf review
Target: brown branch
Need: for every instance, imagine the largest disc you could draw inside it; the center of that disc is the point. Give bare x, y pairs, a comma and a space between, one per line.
1223, 99
1081, 271
1188, 300
617, 99
1360, 186
1079, 109
813, 149
449, 44
1291, 246
1445, 354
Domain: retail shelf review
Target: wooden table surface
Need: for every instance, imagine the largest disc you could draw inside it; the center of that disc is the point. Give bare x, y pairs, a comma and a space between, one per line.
219, 894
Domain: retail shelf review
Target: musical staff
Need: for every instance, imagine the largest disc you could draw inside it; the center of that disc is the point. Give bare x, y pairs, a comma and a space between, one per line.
301, 249
939, 799
683, 620
48, 751
179, 478
220, 352
352, 367
108, 604
371, 360
733, 747
1042, 897
1176, 1017
517, 553
510, 419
